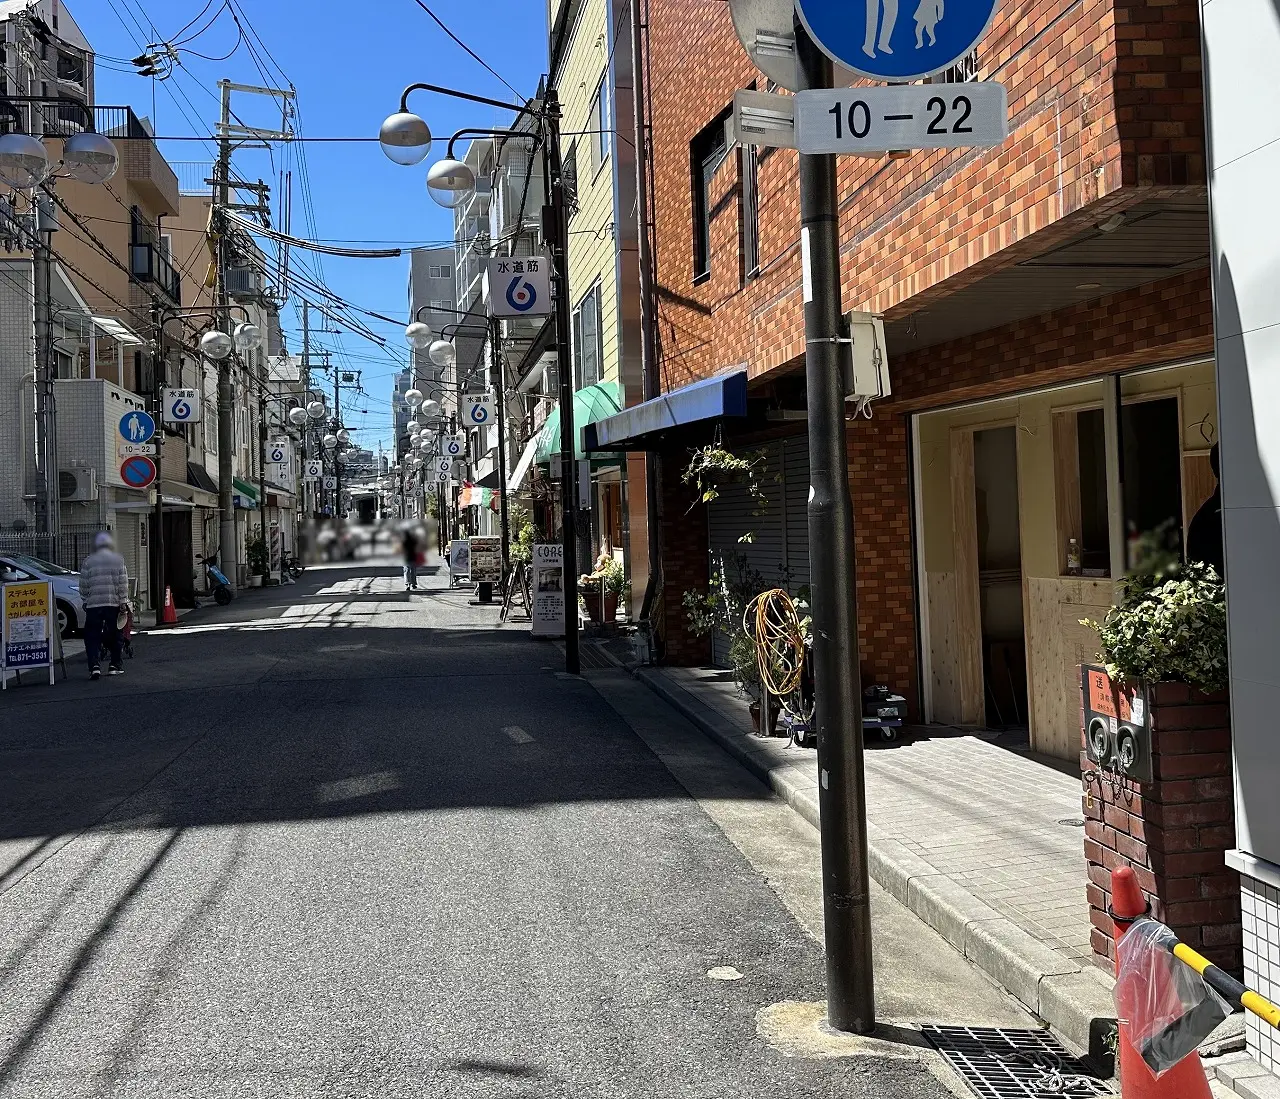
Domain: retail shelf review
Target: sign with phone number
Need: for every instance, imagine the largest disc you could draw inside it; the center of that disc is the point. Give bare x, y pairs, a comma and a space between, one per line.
911, 116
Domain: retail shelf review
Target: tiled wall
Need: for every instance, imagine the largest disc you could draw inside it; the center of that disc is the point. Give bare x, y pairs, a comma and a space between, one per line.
1260, 912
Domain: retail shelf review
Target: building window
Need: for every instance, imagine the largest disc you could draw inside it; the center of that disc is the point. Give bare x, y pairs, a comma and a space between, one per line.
588, 350
569, 173
599, 123
961, 72
707, 151
444, 305
749, 162
441, 271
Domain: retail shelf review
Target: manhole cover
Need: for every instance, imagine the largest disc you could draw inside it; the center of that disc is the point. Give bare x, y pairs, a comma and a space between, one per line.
1072, 822
1014, 1064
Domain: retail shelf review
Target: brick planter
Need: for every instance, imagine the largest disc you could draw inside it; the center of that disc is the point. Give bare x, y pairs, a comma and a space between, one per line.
1173, 831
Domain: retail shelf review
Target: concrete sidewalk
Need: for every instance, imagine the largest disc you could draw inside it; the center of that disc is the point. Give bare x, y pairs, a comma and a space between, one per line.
981, 842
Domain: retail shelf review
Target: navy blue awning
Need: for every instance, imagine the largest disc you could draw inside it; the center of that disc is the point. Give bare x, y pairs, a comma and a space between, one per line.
634, 428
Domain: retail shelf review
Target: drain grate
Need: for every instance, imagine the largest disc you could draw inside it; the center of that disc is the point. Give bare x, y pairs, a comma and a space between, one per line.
1015, 1064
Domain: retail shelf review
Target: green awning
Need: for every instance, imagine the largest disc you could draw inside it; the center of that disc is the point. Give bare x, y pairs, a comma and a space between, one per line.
594, 403
245, 489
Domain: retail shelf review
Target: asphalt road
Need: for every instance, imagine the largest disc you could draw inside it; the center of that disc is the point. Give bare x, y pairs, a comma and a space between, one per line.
339, 841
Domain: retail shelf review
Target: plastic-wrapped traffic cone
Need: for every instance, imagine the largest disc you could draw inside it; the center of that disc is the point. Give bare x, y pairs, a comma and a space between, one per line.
1186, 1080
169, 613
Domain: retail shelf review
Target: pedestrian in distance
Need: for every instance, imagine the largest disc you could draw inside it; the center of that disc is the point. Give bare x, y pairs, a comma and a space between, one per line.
409, 545
104, 590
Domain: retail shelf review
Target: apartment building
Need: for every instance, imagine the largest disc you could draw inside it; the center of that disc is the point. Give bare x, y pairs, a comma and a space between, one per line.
590, 53
1046, 306
502, 218
111, 278
266, 383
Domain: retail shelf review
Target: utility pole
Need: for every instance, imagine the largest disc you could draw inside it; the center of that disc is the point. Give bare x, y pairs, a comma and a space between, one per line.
648, 318
337, 466
157, 535
226, 470
559, 238
842, 799
308, 487
229, 135
47, 505
499, 383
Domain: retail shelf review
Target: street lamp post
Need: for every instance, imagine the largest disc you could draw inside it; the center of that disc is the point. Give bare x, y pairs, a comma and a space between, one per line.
443, 355
406, 139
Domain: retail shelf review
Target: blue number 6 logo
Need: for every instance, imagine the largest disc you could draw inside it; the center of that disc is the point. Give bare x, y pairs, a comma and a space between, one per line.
521, 297
181, 410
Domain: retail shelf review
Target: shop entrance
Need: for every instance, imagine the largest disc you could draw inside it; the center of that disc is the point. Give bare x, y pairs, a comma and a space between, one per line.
1004, 667
1028, 509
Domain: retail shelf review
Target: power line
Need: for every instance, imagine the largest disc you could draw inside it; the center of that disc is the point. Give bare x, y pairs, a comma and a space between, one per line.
441, 24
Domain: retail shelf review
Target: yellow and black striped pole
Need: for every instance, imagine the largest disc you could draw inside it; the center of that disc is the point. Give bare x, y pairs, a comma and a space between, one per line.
1227, 986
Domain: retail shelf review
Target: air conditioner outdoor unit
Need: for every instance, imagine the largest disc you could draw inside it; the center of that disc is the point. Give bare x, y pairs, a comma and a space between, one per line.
76, 486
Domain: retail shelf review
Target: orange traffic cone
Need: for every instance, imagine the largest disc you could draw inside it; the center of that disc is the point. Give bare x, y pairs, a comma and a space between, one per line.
1186, 1080
169, 614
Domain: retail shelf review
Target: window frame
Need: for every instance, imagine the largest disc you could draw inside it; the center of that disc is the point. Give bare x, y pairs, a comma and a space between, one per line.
599, 123
589, 303
749, 170
708, 151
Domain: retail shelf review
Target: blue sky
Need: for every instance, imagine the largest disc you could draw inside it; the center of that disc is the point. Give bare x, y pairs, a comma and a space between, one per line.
349, 63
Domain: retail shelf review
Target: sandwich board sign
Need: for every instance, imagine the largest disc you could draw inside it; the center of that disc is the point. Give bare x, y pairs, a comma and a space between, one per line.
28, 627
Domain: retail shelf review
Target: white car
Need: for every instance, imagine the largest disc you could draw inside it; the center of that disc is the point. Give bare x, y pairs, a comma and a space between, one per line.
16, 567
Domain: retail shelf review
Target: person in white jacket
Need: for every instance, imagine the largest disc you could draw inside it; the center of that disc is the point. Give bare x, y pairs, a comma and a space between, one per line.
104, 591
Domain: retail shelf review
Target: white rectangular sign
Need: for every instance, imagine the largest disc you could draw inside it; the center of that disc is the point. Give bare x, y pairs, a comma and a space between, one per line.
519, 286
181, 406
453, 445
278, 452
331, 482
548, 589
907, 116
477, 409
315, 468
128, 450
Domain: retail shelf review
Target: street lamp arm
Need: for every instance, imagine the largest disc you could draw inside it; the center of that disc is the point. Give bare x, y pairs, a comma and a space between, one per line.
404, 98
450, 329
417, 314
489, 133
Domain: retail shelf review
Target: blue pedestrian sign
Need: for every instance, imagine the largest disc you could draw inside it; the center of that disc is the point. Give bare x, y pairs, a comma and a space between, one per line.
889, 40
137, 426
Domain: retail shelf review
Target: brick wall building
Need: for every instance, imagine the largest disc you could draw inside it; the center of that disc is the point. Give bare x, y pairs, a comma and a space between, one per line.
1076, 251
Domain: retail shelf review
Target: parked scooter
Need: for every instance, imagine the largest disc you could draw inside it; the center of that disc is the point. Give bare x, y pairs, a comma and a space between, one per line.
216, 581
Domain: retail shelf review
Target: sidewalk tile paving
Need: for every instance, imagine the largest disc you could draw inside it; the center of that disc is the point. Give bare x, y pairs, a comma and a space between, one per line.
1000, 824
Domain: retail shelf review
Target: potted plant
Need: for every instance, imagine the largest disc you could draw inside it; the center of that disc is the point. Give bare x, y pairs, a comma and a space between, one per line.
1169, 626
259, 560
590, 590
613, 583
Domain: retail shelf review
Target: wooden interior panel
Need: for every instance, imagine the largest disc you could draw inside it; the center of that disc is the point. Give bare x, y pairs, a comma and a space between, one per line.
944, 663
1066, 482
967, 640
1057, 644
1198, 483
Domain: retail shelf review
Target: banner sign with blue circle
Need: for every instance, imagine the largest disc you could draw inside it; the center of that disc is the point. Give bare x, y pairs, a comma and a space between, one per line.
519, 286
137, 426
181, 406
889, 40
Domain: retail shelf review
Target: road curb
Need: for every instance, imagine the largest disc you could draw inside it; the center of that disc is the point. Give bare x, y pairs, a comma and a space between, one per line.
1074, 1000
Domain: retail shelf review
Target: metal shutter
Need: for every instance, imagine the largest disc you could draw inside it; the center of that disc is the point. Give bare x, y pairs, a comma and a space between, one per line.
795, 471
733, 514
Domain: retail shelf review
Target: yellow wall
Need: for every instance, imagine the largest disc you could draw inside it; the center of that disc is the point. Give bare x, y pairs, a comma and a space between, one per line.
592, 250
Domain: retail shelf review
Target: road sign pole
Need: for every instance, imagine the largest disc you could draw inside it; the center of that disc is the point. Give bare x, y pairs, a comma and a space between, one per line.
157, 535
837, 692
